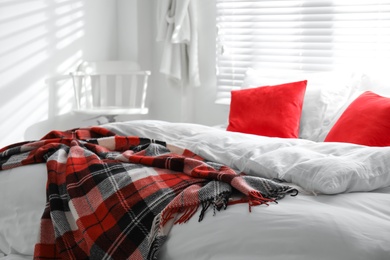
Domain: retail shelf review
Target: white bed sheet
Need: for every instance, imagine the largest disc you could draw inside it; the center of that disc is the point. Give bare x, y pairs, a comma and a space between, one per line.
16, 257
354, 225
22, 200
349, 226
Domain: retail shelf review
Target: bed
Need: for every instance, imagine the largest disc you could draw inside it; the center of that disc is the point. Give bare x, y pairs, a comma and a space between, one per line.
314, 199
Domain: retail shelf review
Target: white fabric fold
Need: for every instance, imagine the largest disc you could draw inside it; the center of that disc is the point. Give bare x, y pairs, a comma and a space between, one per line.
177, 28
318, 167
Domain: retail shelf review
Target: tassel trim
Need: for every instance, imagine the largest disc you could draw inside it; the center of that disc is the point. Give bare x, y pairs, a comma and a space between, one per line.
186, 213
255, 198
220, 202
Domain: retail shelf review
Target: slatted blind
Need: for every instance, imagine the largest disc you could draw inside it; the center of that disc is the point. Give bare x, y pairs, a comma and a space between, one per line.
311, 35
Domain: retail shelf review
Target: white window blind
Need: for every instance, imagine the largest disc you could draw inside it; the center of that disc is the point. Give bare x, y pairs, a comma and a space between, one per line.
311, 35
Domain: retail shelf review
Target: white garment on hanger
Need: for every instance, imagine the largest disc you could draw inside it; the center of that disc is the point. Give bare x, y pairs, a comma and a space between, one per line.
177, 27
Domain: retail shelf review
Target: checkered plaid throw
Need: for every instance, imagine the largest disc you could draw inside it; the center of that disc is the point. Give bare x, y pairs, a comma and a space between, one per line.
116, 197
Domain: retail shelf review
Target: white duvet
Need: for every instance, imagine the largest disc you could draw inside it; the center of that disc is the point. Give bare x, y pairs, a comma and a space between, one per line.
343, 222
328, 168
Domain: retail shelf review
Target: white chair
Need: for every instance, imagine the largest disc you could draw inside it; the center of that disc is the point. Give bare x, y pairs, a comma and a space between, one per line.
110, 88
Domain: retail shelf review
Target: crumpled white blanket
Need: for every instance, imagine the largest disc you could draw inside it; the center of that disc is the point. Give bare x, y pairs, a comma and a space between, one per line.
325, 168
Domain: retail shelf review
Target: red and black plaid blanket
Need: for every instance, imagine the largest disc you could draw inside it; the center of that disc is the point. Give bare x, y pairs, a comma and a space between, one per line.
116, 197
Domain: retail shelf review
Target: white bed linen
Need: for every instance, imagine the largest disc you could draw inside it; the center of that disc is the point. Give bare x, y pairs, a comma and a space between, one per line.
16, 257
353, 225
328, 168
22, 200
346, 226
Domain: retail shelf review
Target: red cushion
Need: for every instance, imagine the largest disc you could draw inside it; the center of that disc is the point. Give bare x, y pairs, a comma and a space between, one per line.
366, 121
270, 110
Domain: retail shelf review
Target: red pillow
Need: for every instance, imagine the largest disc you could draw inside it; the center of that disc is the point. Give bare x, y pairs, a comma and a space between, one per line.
366, 121
270, 110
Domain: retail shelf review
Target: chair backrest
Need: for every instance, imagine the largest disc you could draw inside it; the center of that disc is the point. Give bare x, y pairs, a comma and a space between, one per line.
110, 88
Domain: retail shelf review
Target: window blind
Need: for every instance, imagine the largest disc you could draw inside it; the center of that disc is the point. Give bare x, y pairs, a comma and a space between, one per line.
311, 35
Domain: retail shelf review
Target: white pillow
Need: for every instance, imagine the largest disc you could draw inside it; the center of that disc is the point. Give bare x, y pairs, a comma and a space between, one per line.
377, 81
22, 200
326, 93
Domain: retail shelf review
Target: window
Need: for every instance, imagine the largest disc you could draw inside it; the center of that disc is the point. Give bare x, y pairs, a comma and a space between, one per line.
311, 35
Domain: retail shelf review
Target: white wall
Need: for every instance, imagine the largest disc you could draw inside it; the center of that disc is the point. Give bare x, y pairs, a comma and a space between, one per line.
127, 28
135, 39
205, 110
40, 39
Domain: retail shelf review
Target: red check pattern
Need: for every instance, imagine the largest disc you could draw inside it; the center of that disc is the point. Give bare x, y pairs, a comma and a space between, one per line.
115, 197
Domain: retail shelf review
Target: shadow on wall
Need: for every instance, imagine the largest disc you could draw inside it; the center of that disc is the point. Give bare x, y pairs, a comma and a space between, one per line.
60, 115
59, 103
37, 38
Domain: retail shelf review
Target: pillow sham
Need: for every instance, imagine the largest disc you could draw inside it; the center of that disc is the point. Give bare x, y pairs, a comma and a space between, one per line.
366, 121
326, 95
273, 111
